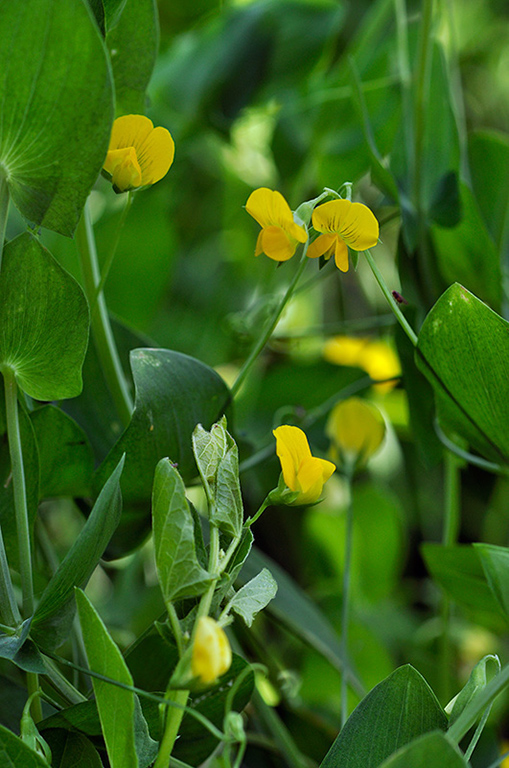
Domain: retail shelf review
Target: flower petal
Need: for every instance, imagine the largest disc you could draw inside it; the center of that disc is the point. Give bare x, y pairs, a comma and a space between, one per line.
312, 475
130, 131
292, 447
276, 244
211, 655
124, 168
268, 208
320, 246
356, 427
341, 255
354, 222
155, 155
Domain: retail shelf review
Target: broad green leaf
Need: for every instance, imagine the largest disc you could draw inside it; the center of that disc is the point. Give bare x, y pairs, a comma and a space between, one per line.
115, 705
254, 596
14, 753
495, 563
180, 573
54, 614
432, 749
43, 321
133, 41
71, 749
174, 393
463, 349
217, 458
488, 153
398, 710
65, 455
467, 253
57, 108
19, 649
475, 684
458, 570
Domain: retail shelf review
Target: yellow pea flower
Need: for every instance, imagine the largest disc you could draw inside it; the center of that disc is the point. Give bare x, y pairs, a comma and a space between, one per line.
139, 154
376, 357
212, 654
356, 429
280, 234
303, 473
343, 224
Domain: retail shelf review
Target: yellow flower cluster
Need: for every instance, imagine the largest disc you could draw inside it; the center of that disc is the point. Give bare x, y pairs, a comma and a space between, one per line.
342, 225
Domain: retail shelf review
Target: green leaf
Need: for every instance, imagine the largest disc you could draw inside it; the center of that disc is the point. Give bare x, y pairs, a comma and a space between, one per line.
180, 573
217, 458
476, 682
71, 749
467, 253
133, 41
54, 614
52, 59
19, 649
14, 752
66, 459
174, 393
463, 349
398, 710
115, 705
254, 596
495, 563
489, 166
43, 321
432, 749
458, 570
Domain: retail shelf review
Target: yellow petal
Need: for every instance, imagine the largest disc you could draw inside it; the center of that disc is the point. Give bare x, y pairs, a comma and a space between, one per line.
320, 246
276, 244
357, 428
211, 655
381, 362
269, 208
341, 255
130, 131
311, 477
292, 447
124, 168
155, 155
354, 222
346, 350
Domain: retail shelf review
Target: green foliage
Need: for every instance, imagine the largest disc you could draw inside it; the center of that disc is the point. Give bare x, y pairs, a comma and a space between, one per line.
430, 749
51, 59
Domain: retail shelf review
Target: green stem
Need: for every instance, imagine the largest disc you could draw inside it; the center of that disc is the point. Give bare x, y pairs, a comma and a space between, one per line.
390, 299
345, 608
176, 628
19, 491
263, 507
173, 719
421, 95
109, 261
206, 599
62, 685
4, 210
260, 344
101, 327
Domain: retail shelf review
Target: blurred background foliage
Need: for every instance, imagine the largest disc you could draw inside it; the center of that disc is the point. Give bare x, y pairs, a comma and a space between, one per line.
297, 95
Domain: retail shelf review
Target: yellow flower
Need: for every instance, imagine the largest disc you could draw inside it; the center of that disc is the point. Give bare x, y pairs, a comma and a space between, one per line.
212, 654
377, 358
356, 429
303, 473
280, 234
139, 154
342, 224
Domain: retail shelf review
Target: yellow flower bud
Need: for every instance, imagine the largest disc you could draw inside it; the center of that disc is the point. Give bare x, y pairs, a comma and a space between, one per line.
303, 473
212, 655
356, 429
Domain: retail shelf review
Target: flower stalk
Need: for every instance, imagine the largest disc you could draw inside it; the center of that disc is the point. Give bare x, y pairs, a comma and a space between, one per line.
101, 326
345, 607
390, 299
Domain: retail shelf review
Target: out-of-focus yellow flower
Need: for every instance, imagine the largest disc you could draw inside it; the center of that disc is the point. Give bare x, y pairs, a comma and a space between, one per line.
280, 234
212, 654
356, 429
504, 747
377, 358
139, 154
343, 224
303, 473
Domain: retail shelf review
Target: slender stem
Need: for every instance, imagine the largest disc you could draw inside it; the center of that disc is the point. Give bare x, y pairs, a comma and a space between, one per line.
345, 608
4, 210
35, 704
173, 719
62, 685
267, 333
101, 327
176, 628
206, 599
109, 261
19, 490
263, 507
390, 299
406, 80
421, 95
